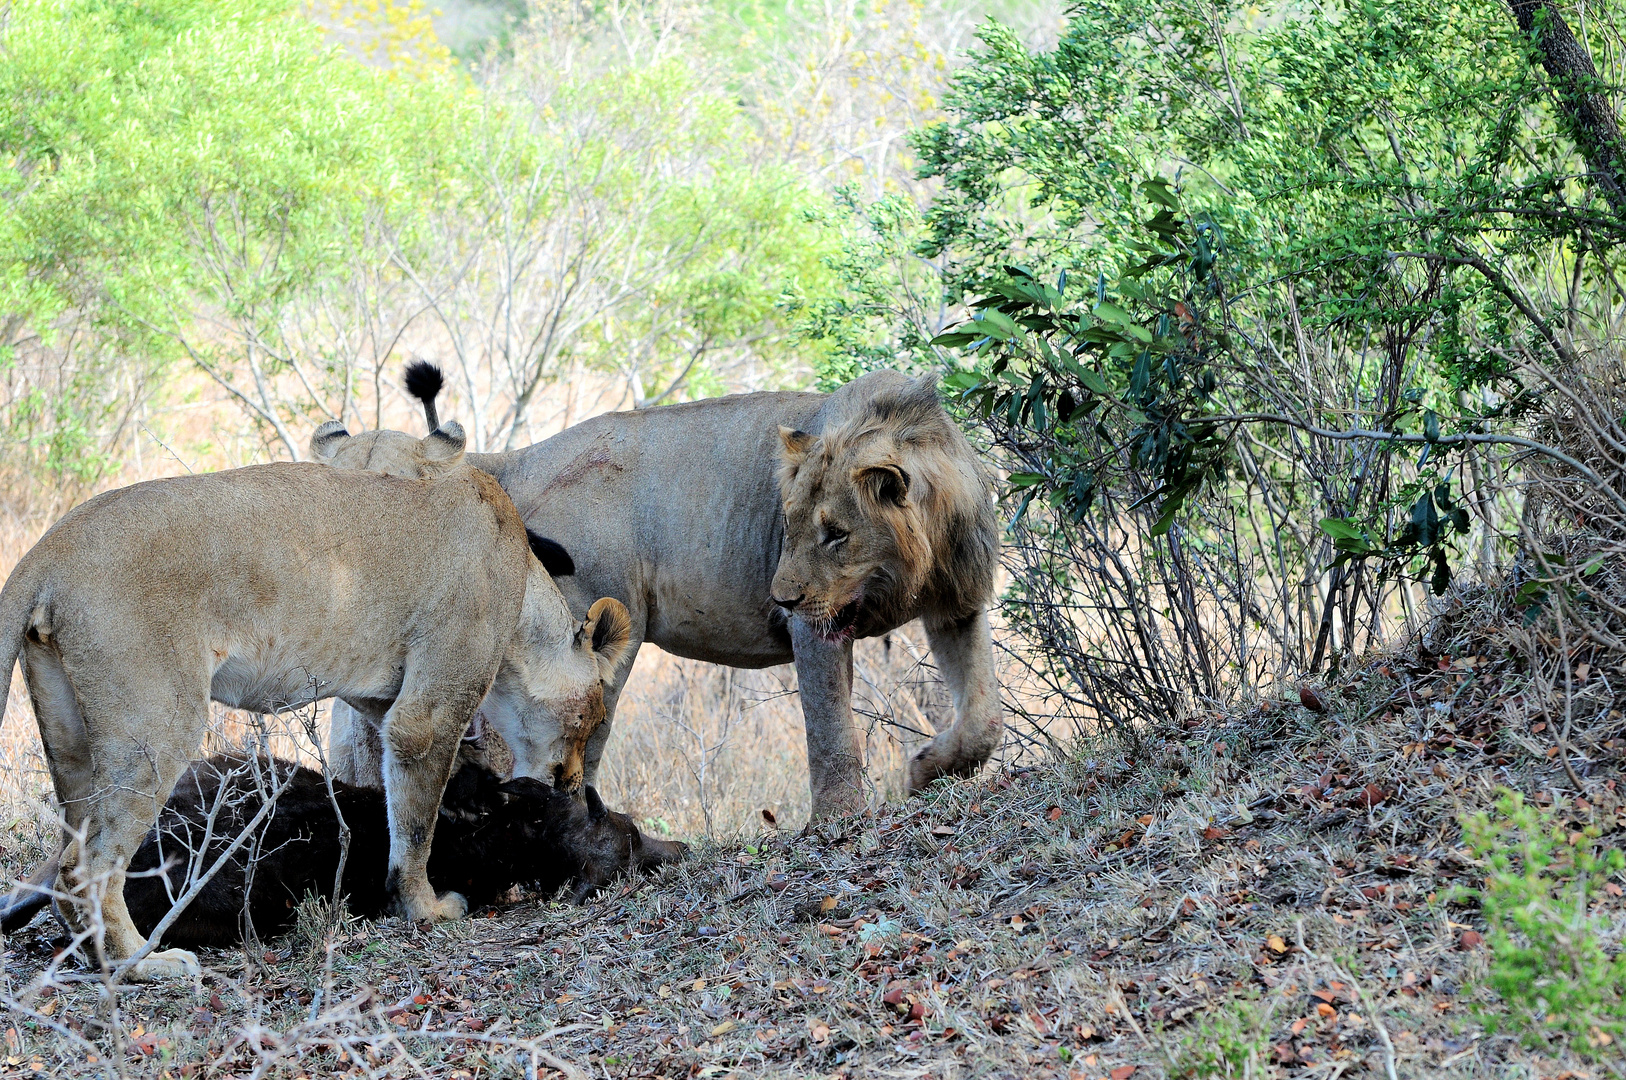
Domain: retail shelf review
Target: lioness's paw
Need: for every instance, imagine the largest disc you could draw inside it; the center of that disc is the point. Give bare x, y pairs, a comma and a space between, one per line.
166, 965
449, 906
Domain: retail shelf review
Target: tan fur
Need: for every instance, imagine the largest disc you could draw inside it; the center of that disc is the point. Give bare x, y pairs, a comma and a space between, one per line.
264, 588
547, 734
684, 513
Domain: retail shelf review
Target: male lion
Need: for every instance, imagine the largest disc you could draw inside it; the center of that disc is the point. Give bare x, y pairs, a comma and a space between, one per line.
761, 528
265, 588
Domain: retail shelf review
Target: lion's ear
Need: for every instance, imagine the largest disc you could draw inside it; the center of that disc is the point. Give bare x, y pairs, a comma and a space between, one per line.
884, 483
609, 629
441, 449
326, 440
797, 445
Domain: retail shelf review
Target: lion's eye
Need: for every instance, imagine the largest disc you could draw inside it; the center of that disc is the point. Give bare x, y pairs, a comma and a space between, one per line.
834, 536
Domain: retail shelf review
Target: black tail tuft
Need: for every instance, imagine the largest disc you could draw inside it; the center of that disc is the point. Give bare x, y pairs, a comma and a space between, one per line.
552, 554
424, 382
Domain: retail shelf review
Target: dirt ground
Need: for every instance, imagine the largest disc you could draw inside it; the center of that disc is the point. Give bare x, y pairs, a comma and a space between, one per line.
1270, 894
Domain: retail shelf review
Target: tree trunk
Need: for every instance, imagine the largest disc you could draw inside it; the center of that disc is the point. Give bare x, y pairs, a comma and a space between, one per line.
1586, 108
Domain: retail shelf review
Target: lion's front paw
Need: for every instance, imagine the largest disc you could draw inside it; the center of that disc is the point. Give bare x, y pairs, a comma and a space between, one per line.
449, 906
165, 965
937, 759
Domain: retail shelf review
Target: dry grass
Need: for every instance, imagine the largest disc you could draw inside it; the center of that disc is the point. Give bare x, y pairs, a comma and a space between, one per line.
1280, 882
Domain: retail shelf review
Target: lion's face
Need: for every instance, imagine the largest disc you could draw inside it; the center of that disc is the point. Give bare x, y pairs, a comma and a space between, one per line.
854, 547
548, 697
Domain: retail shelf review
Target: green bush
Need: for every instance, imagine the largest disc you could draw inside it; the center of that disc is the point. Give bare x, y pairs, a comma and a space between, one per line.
1224, 1041
1548, 963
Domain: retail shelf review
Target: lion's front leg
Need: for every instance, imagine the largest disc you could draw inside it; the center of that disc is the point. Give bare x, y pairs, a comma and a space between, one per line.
965, 654
420, 742
835, 764
355, 750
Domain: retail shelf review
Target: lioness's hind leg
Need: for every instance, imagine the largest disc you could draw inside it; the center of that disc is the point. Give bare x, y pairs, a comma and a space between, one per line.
140, 742
420, 742
62, 732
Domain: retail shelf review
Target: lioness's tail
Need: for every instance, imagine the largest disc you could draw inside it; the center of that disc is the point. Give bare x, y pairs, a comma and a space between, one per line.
17, 602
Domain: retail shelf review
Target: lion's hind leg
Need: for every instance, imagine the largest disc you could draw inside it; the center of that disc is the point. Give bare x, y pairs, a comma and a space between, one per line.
138, 740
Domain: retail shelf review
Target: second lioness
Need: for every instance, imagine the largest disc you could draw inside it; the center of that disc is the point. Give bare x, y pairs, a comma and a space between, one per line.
265, 588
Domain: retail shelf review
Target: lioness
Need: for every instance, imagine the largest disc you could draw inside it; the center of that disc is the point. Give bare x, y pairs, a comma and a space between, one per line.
762, 528
265, 588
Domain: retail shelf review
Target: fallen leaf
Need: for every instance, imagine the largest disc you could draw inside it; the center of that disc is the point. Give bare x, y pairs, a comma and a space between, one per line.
1300, 1024
724, 1028
1146, 819
1471, 939
827, 904
768, 816
1325, 1011
1311, 700
1214, 832
1053, 813
1371, 795
697, 986
820, 1033
1275, 944
1122, 1072
942, 830
665, 991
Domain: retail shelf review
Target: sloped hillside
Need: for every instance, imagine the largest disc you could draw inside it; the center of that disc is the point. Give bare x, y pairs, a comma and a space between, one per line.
1280, 893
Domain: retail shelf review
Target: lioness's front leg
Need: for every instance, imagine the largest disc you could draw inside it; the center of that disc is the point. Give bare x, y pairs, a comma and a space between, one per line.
420, 742
965, 655
835, 764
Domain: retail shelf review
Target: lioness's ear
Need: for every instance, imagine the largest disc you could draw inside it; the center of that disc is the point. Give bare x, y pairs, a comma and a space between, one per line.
326, 440
609, 629
797, 445
885, 483
441, 449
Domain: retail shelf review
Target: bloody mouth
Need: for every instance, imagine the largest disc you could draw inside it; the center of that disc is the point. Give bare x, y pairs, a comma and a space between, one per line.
839, 627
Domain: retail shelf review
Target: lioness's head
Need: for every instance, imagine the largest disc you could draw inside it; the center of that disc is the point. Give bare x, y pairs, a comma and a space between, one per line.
548, 697
393, 453
867, 504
